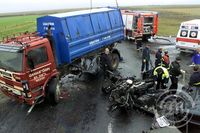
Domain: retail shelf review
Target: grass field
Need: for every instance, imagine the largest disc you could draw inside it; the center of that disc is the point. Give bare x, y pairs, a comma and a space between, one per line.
170, 18
17, 24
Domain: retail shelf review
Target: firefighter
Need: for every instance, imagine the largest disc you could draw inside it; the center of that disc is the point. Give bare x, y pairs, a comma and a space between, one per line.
175, 71
161, 77
158, 57
105, 60
166, 60
145, 58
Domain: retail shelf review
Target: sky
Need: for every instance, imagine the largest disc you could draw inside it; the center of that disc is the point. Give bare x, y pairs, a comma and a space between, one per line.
7, 6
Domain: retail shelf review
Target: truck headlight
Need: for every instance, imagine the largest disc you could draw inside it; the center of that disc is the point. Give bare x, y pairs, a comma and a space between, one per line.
26, 90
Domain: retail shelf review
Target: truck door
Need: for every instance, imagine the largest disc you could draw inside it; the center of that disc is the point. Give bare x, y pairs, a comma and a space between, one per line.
124, 17
38, 66
129, 23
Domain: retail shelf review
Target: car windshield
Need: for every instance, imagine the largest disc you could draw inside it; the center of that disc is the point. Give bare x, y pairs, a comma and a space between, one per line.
11, 61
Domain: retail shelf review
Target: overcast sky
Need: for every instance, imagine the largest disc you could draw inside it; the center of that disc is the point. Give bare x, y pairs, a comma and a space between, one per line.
33, 5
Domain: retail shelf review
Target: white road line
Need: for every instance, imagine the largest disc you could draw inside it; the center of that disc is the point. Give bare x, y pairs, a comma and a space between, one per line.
110, 128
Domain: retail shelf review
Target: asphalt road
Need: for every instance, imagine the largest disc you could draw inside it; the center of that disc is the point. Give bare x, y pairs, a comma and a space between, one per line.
83, 108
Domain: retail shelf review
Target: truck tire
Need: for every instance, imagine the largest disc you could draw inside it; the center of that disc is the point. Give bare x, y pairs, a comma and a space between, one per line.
115, 61
53, 91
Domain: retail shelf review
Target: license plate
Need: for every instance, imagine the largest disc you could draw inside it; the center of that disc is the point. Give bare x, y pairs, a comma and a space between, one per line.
162, 121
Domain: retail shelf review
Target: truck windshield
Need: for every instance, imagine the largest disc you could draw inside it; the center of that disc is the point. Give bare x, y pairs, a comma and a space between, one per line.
148, 20
11, 61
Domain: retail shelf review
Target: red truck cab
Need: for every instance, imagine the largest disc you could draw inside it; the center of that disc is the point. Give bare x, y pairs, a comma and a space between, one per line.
28, 69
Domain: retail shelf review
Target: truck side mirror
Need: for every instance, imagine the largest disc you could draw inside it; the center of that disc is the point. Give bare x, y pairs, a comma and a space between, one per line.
30, 62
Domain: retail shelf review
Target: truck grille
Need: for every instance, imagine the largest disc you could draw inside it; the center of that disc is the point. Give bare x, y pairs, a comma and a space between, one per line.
10, 88
6, 75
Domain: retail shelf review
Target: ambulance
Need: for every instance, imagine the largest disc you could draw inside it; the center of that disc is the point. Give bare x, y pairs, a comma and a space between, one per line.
188, 37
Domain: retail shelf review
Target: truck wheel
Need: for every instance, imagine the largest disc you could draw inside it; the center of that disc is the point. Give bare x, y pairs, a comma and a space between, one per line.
115, 61
53, 91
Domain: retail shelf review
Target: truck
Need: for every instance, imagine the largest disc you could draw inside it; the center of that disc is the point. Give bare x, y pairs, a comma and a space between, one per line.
140, 25
32, 63
188, 37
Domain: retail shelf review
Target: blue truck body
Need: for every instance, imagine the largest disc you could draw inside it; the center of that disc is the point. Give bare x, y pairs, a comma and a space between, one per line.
77, 33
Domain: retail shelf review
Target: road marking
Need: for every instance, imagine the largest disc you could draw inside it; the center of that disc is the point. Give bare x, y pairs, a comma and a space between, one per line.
110, 128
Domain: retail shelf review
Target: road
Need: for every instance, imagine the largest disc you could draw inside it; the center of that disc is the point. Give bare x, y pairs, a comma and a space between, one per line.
83, 108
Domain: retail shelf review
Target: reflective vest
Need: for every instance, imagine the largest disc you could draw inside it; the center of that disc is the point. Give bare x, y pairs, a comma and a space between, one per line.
197, 84
165, 72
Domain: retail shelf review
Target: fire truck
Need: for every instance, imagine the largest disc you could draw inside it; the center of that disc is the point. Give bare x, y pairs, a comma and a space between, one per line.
31, 64
188, 37
140, 24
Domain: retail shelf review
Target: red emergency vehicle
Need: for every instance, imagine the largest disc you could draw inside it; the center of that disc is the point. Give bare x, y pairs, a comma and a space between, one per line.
32, 64
140, 24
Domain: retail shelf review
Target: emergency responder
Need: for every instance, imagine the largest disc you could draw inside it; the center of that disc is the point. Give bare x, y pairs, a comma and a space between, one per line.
138, 43
145, 58
158, 57
196, 57
166, 60
105, 60
106, 66
161, 77
195, 77
175, 71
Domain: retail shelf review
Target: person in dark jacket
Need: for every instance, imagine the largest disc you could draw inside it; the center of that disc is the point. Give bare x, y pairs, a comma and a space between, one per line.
105, 61
138, 43
175, 71
158, 57
195, 77
194, 83
145, 58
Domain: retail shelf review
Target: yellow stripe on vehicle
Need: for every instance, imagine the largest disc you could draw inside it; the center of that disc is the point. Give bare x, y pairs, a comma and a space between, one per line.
18, 88
2, 82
